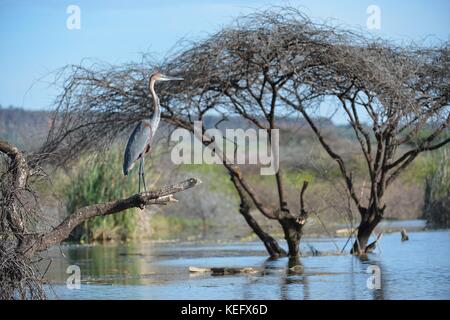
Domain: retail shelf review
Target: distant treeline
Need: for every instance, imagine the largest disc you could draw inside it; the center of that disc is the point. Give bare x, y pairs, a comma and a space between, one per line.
28, 128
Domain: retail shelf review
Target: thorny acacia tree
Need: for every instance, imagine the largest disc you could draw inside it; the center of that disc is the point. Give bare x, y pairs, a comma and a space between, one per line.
396, 99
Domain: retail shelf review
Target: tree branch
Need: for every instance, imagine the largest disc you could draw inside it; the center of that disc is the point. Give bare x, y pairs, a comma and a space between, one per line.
303, 213
414, 152
347, 177
19, 170
139, 200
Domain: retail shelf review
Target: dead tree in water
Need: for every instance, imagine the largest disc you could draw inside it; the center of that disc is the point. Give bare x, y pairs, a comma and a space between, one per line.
20, 241
396, 99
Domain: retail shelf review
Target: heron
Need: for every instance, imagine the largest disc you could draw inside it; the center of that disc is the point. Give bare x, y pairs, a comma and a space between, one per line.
140, 141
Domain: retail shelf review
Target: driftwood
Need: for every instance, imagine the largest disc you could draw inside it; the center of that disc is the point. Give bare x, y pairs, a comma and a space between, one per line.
222, 270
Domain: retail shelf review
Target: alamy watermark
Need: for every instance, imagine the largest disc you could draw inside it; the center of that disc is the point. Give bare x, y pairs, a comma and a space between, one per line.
235, 146
374, 281
374, 19
73, 21
74, 280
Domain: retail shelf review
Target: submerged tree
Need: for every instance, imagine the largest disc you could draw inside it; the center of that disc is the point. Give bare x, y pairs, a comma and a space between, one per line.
396, 99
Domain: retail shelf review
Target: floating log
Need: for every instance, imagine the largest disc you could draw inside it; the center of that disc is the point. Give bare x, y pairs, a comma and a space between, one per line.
222, 271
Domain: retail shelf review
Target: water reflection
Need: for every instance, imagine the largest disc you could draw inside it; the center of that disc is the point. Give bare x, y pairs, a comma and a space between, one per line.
294, 280
409, 270
367, 261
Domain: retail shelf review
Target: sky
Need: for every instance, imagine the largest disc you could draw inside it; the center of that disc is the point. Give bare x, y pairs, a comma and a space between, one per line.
35, 40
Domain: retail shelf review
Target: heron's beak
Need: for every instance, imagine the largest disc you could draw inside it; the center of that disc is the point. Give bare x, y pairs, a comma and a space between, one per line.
168, 78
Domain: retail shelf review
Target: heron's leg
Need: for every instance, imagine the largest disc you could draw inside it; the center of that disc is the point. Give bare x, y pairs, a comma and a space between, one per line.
143, 174
139, 174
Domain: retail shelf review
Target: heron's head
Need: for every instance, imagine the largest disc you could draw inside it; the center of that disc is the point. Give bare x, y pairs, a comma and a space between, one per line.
158, 76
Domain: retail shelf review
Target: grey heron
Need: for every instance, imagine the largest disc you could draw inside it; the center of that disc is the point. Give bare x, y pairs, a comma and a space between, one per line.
140, 141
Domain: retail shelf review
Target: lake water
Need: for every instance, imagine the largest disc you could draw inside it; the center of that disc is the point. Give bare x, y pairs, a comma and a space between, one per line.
414, 269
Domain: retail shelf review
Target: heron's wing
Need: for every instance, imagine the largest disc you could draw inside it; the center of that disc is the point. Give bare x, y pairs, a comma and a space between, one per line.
137, 144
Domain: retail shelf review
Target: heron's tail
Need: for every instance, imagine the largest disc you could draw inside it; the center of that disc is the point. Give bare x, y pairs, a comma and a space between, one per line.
126, 163
127, 167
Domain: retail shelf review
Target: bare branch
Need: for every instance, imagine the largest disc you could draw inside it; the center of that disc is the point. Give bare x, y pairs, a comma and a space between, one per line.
140, 200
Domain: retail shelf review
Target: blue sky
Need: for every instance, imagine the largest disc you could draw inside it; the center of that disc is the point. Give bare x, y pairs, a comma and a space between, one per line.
34, 39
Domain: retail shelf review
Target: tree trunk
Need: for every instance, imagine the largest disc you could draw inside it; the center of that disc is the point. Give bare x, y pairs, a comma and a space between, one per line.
270, 243
292, 229
293, 225
369, 220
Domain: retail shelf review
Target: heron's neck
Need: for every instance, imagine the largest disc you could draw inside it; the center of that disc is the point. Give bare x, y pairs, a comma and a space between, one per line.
156, 112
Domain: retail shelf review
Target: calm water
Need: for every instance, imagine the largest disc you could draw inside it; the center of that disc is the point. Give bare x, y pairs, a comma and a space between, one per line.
415, 269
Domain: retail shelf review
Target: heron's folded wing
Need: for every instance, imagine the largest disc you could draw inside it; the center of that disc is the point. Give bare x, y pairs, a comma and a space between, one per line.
136, 145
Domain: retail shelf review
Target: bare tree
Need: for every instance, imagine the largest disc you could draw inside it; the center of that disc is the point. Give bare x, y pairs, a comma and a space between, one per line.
396, 99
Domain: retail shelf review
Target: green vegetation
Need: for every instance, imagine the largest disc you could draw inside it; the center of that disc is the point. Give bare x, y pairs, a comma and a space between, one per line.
420, 169
165, 227
220, 180
295, 178
94, 180
437, 191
